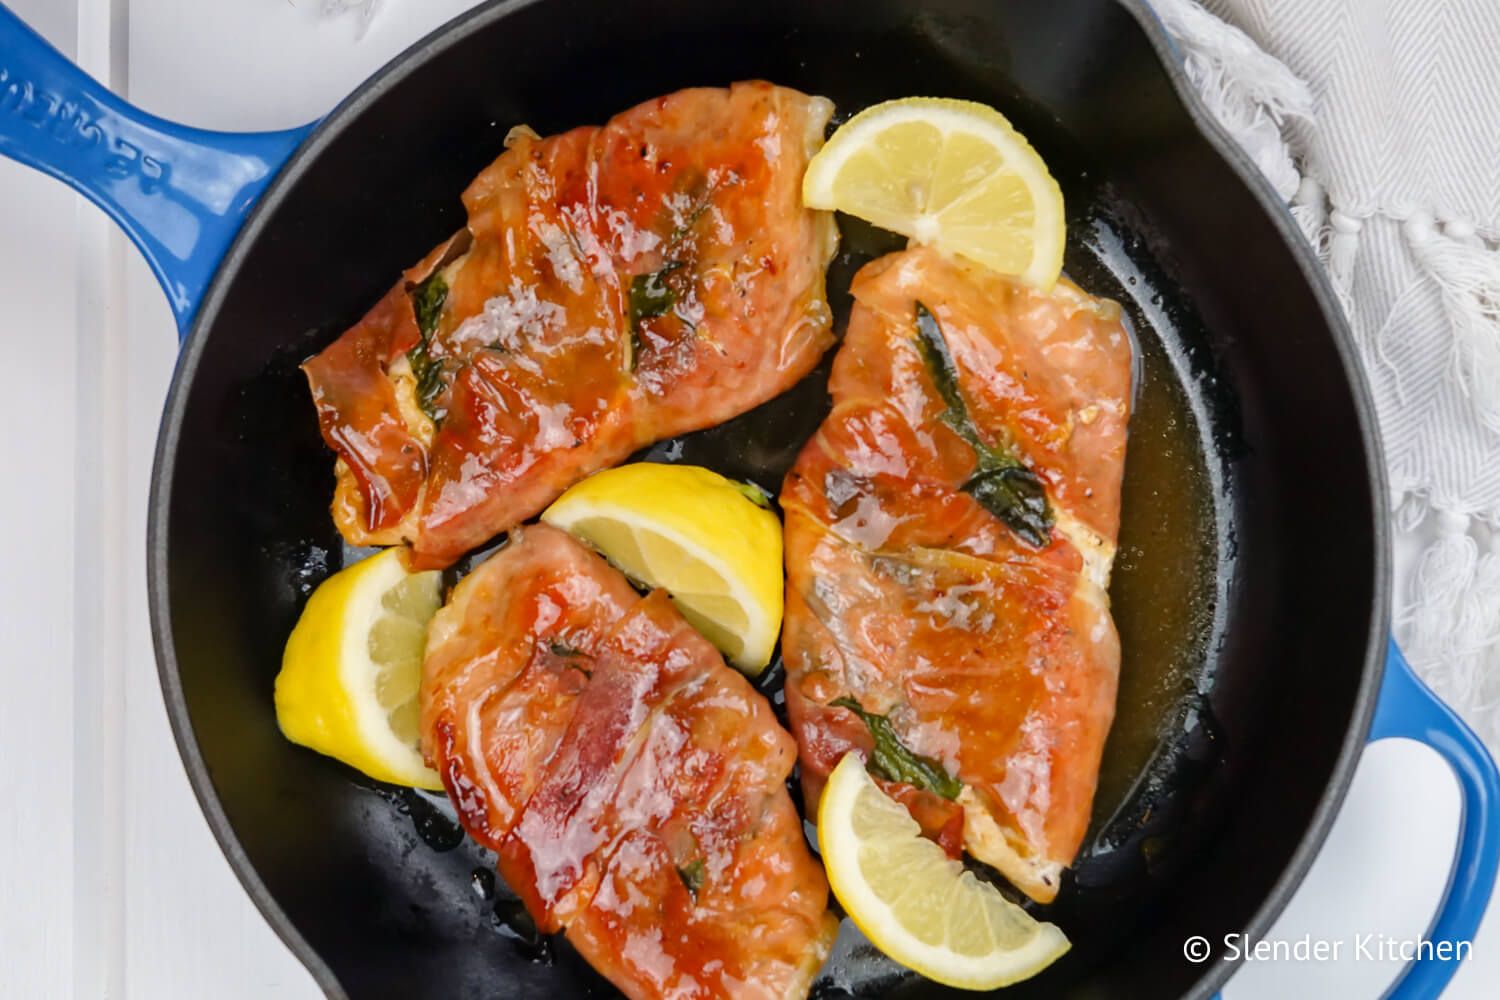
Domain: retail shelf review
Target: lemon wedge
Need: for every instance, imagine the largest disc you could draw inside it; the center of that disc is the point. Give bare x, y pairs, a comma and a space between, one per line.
696, 535
951, 174
352, 667
916, 904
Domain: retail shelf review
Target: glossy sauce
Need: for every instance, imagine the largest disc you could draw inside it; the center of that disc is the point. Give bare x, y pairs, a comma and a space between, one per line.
1162, 589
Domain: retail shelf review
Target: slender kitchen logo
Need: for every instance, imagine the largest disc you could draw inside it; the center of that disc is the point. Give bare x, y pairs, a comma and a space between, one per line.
1359, 947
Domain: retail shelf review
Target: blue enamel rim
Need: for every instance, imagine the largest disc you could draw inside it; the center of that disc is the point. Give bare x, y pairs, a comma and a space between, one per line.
190, 199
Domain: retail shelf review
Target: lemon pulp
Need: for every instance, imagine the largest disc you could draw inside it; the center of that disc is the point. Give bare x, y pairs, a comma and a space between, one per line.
916, 904
951, 174
352, 668
696, 535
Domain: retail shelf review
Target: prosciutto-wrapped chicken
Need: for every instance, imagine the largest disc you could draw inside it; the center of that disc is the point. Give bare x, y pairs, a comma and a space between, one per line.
949, 536
614, 286
632, 785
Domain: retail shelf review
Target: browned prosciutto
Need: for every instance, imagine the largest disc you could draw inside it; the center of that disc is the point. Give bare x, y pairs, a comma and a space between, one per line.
614, 286
950, 531
632, 785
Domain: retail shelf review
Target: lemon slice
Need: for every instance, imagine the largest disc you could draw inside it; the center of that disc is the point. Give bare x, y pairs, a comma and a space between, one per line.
915, 903
696, 535
352, 667
952, 174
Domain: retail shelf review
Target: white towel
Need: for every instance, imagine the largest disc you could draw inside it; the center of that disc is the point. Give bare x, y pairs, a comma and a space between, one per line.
1379, 122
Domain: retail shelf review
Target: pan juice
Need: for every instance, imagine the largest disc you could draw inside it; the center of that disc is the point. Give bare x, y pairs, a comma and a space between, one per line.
1162, 587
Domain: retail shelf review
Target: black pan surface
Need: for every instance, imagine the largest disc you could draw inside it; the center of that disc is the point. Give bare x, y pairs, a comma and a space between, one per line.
1249, 589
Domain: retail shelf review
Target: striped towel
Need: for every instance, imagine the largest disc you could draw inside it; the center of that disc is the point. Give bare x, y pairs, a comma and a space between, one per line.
1379, 122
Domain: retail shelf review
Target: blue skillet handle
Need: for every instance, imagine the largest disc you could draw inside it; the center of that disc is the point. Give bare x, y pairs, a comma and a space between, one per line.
1407, 708
180, 193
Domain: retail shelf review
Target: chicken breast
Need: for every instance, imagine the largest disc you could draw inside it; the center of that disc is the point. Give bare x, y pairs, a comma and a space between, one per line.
950, 531
632, 785
614, 286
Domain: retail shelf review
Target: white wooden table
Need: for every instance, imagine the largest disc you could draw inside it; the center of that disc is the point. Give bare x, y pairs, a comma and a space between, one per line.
110, 883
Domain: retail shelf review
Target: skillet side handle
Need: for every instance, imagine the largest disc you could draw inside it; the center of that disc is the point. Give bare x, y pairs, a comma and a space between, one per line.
179, 193
1408, 709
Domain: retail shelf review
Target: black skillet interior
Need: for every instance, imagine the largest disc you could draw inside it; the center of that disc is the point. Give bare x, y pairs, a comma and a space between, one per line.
1247, 571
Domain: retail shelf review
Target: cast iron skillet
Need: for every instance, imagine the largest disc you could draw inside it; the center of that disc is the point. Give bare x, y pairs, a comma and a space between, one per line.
1252, 583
